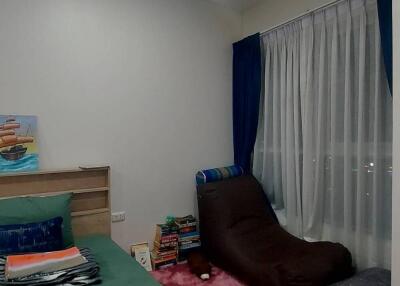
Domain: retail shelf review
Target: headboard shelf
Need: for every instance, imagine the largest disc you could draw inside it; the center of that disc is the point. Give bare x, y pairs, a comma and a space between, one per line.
54, 171
77, 191
90, 212
90, 205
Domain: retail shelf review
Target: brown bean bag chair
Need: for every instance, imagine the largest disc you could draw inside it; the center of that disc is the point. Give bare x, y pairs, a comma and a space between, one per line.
241, 235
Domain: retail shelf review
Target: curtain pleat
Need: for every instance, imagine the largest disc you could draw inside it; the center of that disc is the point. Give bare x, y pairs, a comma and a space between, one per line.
324, 148
333, 187
377, 177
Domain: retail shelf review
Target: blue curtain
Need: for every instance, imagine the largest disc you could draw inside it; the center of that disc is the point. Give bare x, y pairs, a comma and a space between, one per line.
246, 97
385, 25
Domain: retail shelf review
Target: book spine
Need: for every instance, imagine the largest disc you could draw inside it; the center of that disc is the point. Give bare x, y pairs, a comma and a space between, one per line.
158, 264
194, 233
165, 245
189, 241
166, 265
170, 252
189, 224
191, 245
165, 248
189, 238
169, 238
163, 229
164, 258
187, 230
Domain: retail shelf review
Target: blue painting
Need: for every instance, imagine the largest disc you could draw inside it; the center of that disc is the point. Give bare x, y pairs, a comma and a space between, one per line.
18, 143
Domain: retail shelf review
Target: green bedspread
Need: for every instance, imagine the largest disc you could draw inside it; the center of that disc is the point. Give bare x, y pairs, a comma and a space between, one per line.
117, 268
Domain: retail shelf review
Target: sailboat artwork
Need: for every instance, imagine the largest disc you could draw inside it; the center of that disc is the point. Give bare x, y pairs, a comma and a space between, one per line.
18, 146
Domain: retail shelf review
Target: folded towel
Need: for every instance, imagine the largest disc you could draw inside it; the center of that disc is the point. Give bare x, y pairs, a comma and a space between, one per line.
22, 265
83, 274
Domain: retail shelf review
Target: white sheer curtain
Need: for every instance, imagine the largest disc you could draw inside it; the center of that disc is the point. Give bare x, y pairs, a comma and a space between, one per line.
323, 150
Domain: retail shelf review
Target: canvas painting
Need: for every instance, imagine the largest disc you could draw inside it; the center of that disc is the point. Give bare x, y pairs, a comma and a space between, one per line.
18, 143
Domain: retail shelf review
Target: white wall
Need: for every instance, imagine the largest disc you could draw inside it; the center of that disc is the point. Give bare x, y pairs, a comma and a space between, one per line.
396, 145
269, 13
142, 85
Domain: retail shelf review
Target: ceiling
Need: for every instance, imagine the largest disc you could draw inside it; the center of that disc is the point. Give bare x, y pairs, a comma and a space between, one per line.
238, 5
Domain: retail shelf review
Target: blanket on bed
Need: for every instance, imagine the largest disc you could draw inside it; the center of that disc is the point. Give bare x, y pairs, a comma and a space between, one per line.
84, 274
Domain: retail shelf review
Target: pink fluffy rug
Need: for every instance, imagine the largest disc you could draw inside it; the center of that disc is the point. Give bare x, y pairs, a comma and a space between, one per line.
180, 275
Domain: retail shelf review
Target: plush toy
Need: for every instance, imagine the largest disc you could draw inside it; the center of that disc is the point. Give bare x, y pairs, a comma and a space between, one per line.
199, 265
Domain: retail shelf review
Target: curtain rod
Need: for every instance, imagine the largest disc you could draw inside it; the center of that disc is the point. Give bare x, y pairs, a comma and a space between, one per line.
311, 11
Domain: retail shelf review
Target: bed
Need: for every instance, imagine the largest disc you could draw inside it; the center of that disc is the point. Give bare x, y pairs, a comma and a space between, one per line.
90, 216
117, 268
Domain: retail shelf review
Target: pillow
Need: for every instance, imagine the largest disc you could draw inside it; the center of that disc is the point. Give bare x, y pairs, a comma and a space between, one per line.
218, 174
23, 210
32, 237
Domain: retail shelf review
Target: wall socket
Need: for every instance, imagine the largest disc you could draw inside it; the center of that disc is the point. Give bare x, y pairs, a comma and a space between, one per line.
117, 216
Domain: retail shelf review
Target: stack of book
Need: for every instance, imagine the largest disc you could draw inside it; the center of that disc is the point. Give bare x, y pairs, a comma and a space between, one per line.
164, 252
189, 237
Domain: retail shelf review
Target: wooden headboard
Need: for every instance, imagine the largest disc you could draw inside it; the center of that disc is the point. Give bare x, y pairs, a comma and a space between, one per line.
90, 206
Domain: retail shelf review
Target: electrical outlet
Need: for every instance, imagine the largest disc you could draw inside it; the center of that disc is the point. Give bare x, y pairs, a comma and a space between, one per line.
118, 216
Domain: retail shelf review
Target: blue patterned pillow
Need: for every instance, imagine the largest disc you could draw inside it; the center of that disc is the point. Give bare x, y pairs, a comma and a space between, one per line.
32, 237
218, 174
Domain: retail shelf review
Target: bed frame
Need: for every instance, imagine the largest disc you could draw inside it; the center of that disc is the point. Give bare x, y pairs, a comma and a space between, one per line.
90, 206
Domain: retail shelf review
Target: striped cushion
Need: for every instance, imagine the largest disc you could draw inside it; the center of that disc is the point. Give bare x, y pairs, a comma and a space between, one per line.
218, 174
